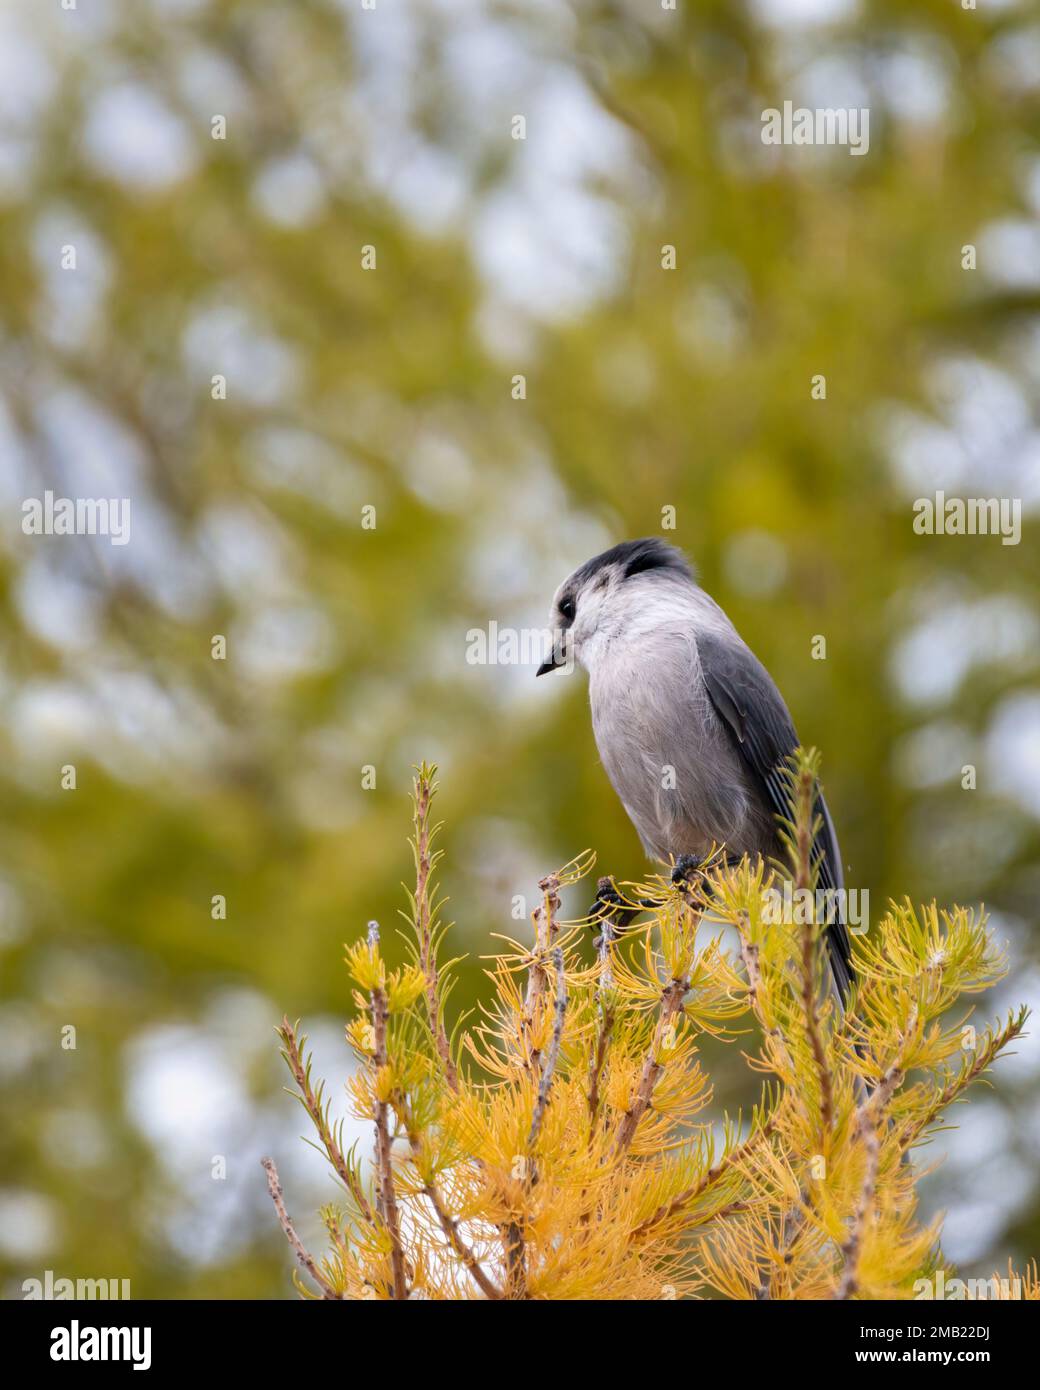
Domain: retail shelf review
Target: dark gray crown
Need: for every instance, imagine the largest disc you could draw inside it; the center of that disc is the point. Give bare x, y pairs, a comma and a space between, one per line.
637, 557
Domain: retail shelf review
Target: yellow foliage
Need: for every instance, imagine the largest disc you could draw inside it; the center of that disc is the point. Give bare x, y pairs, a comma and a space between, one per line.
564, 1146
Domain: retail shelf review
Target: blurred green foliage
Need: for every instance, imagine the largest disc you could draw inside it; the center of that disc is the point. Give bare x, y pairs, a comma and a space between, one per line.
646, 389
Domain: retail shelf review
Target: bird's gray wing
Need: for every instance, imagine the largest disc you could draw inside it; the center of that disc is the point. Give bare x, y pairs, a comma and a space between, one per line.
752, 711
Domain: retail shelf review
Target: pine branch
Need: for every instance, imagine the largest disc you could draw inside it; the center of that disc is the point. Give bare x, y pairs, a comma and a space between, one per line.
384, 1160
425, 790
668, 1010
805, 789
306, 1260
546, 928
982, 1061
692, 1194
606, 1011
869, 1117
448, 1224
313, 1104
592, 1041
552, 1055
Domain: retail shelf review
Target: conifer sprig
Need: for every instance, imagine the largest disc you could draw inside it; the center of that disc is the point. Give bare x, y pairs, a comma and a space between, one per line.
564, 1145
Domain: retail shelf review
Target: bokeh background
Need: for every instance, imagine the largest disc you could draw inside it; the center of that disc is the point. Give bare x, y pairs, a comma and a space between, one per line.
646, 389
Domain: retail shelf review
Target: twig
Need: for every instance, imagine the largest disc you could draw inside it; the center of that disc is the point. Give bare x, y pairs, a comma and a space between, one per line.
607, 1012
450, 1227
552, 1055
670, 1006
384, 1163
545, 932
424, 791
546, 928
806, 785
710, 1178
516, 1260
812, 1026
306, 1260
949, 1093
312, 1103
448, 1224
868, 1117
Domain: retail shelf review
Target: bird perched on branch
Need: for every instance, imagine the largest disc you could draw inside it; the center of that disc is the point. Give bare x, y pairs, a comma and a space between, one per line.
690, 726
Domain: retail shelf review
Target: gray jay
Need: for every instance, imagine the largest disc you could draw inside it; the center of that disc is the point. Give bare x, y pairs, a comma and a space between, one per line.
691, 729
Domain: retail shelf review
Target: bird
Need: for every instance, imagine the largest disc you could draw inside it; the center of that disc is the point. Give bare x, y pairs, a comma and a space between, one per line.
691, 729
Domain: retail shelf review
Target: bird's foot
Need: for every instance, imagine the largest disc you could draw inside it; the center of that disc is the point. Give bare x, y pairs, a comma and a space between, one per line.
688, 866
685, 868
610, 905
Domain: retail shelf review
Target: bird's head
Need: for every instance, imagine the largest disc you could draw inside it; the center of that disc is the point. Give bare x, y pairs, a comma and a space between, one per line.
603, 595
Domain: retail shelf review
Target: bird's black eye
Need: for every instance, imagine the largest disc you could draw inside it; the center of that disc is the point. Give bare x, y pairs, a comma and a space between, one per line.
567, 608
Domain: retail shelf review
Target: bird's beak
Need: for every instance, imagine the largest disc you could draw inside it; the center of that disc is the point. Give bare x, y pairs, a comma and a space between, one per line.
551, 665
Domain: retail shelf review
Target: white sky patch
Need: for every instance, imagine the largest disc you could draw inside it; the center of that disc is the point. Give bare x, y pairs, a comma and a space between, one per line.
230, 341
70, 306
543, 241
933, 754
282, 643
50, 718
290, 191
26, 1036
283, 457
92, 454
915, 80
979, 441
1013, 748
134, 138
755, 563
438, 467
253, 556
211, 86
553, 256
29, 1224
28, 79
929, 663
188, 1091
1009, 253
182, 1093
1012, 59
57, 606
783, 13
832, 81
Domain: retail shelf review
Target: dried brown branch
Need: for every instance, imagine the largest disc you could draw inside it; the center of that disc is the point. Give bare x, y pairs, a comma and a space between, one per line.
812, 1026
516, 1261
869, 1117
306, 1260
552, 1055
312, 1103
668, 1011
607, 1012
546, 927
448, 1224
